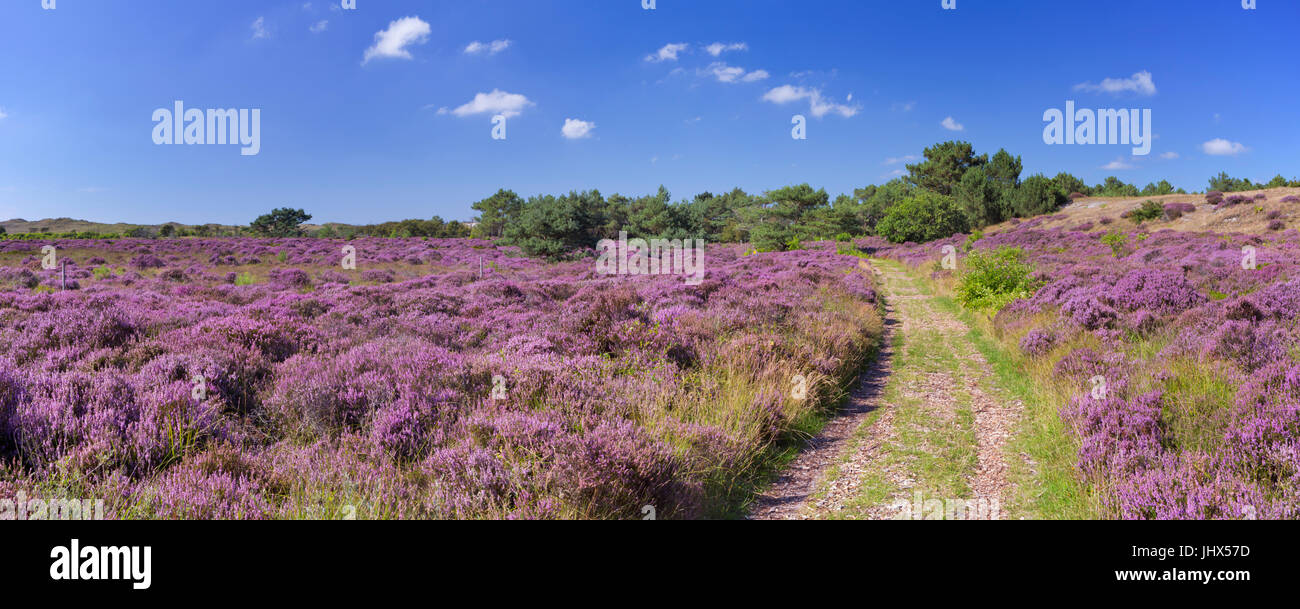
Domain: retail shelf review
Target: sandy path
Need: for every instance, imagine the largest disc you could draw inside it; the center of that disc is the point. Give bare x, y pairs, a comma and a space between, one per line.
945, 395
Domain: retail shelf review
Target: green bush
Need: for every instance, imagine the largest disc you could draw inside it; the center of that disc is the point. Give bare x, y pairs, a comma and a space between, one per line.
244, 278
1116, 240
1036, 196
991, 279
925, 216
102, 273
1150, 210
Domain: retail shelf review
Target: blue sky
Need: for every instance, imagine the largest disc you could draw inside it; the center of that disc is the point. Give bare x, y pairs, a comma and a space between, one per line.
399, 135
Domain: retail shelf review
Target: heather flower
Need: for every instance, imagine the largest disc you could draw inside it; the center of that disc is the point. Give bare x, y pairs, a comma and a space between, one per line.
1161, 291
1037, 342
1088, 312
147, 261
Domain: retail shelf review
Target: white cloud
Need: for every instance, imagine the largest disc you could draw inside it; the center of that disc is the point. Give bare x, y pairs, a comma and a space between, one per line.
1116, 165
491, 48
1139, 83
719, 48
733, 74
2, 113
1169, 155
902, 159
818, 105
319, 26
787, 93
496, 102
393, 41
259, 29
575, 129
668, 53
1222, 147
952, 125
903, 106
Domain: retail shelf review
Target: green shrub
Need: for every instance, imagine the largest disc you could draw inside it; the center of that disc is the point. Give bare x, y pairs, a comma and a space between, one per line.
1150, 210
102, 273
842, 237
245, 278
1036, 196
1116, 240
925, 216
991, 279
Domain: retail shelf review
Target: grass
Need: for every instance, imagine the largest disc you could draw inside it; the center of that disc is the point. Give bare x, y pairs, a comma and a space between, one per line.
1041, 453
744, 379
934, 448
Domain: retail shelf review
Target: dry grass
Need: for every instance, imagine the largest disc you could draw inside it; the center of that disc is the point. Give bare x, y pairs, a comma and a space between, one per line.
1249, 217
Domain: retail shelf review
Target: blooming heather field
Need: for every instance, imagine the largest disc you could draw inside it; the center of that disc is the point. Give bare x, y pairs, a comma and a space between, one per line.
256, 378
1174, 357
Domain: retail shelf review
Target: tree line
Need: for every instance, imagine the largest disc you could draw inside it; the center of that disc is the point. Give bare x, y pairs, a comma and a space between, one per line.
951, 190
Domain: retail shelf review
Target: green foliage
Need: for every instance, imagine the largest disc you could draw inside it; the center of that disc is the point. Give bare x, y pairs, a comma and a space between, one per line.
1036, 196
102, 273
553, 227
281, 222
167, 230
770, 237
842, 237
925, 216
1225, 183
877, 201
433, 228
495, 211
1149, 210
944, 166
978, 197
1115, 187
245, 278
1067, 184
713, 218
975, 235
1154, 189
1004, 169
1116, 240
990, 280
